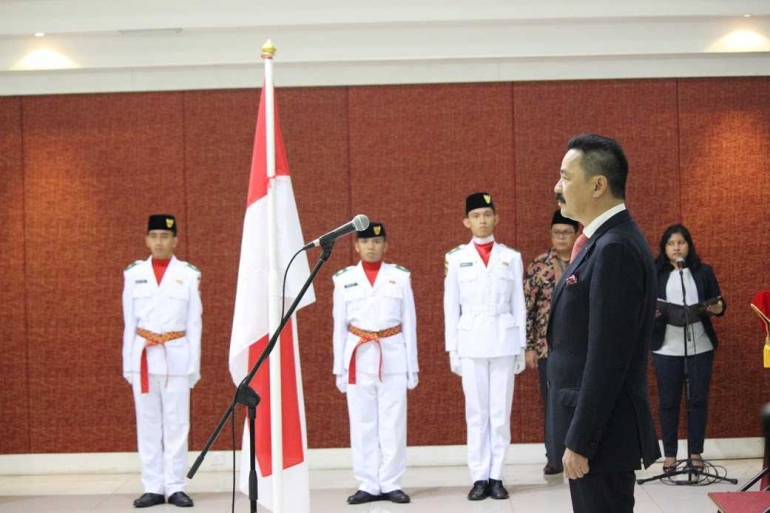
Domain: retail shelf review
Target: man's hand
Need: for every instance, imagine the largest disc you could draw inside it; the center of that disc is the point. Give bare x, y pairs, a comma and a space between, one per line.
531, 359
342, 383
575, 465
455, 364
412, 380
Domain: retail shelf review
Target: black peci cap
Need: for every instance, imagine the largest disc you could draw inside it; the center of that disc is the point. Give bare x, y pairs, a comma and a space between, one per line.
162, 222
478, 200
375, 229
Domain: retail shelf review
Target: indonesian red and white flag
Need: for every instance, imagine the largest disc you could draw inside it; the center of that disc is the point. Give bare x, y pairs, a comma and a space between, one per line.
271, 202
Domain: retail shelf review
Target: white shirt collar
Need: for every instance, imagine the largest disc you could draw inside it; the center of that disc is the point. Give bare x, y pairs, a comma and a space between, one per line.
485, 240
603, 218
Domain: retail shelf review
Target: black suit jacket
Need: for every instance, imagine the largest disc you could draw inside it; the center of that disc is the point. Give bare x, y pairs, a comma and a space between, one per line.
599, 330
708, 288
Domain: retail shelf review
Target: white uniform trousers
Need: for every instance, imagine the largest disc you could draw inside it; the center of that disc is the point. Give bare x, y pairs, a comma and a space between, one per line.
488, 389
377, 411
162, 427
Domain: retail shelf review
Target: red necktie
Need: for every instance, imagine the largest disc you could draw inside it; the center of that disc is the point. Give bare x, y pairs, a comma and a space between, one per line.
579, 243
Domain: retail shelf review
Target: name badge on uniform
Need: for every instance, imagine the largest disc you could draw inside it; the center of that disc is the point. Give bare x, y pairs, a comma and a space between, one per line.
140, 281
504, 263
393, 282
181, 282
351, 285
466, 264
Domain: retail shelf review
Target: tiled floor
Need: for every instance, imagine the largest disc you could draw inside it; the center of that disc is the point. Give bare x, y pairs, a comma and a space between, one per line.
433, 489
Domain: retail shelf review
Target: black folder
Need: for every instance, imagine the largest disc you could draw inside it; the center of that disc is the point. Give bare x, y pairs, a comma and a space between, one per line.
673, 314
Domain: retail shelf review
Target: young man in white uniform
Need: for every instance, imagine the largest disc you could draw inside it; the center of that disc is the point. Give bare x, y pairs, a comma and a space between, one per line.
375, 361
161, 359
485, 322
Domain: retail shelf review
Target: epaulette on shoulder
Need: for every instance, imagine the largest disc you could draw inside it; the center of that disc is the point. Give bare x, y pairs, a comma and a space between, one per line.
188, 264
132, 264
401, 268
458, 248
343, 270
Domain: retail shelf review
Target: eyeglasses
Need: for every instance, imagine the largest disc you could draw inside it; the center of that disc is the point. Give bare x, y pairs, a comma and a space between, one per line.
562, 235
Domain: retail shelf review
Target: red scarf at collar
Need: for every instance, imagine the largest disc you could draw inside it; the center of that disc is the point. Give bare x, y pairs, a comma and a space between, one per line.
371, 269
160, 266
484, 251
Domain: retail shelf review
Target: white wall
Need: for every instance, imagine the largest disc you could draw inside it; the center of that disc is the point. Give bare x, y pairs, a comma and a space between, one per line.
140, 45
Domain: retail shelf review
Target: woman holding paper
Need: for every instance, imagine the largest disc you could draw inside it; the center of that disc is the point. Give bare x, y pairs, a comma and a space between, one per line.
678, 263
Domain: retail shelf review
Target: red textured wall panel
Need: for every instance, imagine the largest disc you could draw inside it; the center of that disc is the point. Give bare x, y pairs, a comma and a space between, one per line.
315, 128
219, 133
95, 167
416, 152
725, 143
640, 114
14, 408
81, 173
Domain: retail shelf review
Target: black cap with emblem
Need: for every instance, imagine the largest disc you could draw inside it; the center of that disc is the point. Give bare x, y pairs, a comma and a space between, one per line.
162, 222
560, 219
478, 200
375, 229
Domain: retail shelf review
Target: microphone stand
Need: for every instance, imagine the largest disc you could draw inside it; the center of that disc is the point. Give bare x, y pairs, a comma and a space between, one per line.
246, 396
687, 468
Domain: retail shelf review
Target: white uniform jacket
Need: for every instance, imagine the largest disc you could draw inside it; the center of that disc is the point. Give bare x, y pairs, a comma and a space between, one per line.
373, 308
175, 305
484, 310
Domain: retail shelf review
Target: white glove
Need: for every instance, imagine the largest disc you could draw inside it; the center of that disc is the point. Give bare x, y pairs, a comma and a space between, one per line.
128, 377
411, 380
454, 363
519, 363
194, 378
342, 383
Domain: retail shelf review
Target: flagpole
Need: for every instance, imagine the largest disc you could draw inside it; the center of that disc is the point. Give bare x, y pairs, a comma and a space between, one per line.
274, 286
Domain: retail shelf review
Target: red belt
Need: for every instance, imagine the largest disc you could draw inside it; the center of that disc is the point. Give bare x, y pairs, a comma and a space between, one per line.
368, 336
154, 339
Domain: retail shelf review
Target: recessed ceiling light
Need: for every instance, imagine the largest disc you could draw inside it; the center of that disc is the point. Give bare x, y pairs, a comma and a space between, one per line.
747, 15
39, 34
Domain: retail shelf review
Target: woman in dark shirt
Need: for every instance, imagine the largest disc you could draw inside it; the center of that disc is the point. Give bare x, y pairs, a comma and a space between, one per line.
668, 347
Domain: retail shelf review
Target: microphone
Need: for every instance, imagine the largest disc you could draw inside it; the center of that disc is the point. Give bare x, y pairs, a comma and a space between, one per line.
357, 224
680, 263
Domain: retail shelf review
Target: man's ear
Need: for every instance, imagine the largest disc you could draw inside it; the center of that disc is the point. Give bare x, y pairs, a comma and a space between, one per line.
601, 184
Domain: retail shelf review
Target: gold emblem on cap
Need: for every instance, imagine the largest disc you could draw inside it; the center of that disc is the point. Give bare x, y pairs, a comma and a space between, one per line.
170, 223
488, 198
377, 230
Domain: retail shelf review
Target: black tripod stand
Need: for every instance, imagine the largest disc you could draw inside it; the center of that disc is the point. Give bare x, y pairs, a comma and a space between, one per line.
245, 394
704, 473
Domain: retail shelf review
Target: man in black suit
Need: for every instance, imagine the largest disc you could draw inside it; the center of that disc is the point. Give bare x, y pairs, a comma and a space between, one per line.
599, 330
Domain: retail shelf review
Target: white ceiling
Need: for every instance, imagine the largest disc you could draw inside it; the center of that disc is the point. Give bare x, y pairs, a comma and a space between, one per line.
136, 45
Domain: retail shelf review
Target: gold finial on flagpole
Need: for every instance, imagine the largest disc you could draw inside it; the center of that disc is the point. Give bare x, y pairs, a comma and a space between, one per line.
268, 50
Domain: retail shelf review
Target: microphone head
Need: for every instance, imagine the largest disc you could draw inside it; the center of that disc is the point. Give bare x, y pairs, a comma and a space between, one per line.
361, 222
680, 262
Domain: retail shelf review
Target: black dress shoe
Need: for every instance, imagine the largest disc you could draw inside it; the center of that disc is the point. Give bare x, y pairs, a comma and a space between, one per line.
497, 490
360, 497
550, 470
181, 499
149, 499
480, 491
397, 496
